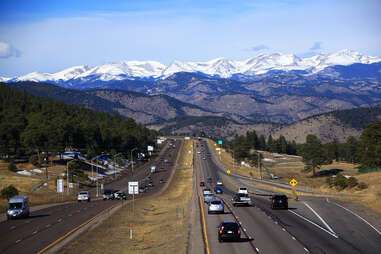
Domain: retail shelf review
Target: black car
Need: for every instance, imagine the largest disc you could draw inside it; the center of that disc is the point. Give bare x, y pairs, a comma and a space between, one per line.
210, 180
228, 230
279, 201
202, 184
120, 195
108, 194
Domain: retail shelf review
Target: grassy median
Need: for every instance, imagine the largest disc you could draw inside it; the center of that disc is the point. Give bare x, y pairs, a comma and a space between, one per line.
160, 224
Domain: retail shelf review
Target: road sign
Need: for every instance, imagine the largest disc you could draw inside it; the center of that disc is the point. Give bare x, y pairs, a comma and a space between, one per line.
150, 148
71, 185
133, 187
293, 182
228, 171
220, 142
60, 185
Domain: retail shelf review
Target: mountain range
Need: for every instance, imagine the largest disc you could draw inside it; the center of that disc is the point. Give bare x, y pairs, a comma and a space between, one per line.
84, 76
221, 96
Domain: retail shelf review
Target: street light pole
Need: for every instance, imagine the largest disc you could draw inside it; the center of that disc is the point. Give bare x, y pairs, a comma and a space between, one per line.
67, 175
114, 157
132, 160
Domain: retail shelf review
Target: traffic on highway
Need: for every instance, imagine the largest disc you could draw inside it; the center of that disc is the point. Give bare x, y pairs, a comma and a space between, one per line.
235, 215
42, 230
264, 221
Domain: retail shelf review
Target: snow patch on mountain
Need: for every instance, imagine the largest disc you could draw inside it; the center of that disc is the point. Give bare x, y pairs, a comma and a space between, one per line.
220, 67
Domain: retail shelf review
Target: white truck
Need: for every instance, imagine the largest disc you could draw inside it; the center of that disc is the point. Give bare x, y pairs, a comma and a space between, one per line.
153, 169
243, 190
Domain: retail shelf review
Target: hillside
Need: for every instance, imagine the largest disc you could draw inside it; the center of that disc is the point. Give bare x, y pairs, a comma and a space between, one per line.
147, 109
142, 108
31, 123
337, 125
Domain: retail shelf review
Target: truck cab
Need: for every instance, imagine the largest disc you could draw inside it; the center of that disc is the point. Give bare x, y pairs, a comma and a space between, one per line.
18, 207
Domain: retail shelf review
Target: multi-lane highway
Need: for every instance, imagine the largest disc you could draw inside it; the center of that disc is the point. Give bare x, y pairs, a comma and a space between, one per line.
45, 226
316, 225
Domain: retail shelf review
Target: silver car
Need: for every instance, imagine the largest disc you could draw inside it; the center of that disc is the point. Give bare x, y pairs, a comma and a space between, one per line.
216, 206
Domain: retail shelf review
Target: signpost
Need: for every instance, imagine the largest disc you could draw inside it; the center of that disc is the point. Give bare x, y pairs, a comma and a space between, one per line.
293, 183
133, 188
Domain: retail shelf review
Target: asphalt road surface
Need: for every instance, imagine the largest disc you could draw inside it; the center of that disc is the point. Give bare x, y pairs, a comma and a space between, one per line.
316, 225
47, 225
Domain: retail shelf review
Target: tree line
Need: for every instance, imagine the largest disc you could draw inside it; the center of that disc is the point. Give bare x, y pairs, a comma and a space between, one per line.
365, 151
31, 124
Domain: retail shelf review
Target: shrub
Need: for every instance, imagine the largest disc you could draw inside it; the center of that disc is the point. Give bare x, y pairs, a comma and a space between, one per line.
12, 166
352, 182
362, 186
34, 160
9, 192
340, 182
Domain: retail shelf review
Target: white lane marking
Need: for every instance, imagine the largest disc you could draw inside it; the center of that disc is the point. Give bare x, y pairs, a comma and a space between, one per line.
283, 229
320, 218
35, 232
257, 249
358, 216
59, 220
306, 249
244, 229
18, 241
293, 238
313, 223
13, 227
47, 225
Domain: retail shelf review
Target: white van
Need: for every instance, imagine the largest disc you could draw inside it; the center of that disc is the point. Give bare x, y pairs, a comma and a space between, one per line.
18, 206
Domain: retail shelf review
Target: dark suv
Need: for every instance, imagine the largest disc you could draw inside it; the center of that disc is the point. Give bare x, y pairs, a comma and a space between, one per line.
229, 230
279, 201
108, 194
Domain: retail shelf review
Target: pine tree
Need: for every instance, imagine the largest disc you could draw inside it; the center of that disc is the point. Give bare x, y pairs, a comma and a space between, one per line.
313, 154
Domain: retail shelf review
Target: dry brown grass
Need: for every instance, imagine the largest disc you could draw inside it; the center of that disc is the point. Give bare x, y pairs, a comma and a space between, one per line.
27, 184
160, 224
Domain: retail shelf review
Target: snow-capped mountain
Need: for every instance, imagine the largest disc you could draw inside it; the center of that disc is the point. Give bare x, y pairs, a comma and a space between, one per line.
220, 67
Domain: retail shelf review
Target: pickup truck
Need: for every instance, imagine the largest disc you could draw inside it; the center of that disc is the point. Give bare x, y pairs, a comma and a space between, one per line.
241, 199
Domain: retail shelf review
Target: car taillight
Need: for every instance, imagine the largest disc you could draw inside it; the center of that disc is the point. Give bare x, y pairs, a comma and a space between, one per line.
239, 231
220, 231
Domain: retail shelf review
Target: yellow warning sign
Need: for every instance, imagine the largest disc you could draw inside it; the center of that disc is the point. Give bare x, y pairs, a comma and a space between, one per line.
293, 182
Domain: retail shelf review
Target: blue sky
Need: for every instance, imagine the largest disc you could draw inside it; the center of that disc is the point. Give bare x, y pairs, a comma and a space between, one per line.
48, 36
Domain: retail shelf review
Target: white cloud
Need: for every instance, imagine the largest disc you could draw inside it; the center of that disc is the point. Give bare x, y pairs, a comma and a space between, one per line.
7, 50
